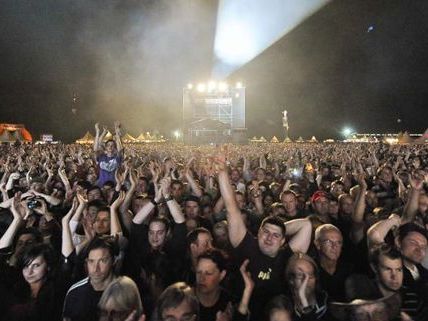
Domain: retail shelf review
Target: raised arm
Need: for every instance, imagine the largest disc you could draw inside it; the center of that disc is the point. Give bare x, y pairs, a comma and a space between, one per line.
117, 137
236, 225
300, 231
248, 289
97, 146
196, 188
7, 238
48, 198
173, 206
357, 231
378, 231
115, 227
411, 207
124, 208
144, 212
67, 246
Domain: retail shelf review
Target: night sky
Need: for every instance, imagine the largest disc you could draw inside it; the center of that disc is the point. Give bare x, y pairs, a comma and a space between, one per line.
362, 64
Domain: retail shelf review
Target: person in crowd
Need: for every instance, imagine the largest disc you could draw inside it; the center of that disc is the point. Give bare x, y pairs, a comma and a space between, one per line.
214, 301
177, 303
82, 298
412, 241
309, 300
58, 195
121, 301
266, 252
280, 308
332, 271
110, 157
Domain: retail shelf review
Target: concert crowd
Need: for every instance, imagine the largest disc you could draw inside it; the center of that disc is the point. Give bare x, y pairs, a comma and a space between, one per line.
169, 232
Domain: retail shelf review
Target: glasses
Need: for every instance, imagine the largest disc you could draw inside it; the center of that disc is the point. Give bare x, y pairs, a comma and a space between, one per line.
113, 315
186, 317
331, 243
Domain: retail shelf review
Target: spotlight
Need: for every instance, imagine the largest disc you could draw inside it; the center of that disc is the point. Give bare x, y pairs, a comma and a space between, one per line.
347, 131
222, 87
239, 85
189, 86
201, 88
212, 86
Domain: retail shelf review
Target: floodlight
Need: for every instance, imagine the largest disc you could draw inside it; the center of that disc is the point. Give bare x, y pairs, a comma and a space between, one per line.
239, 85
201, 87
189, 86
222, 87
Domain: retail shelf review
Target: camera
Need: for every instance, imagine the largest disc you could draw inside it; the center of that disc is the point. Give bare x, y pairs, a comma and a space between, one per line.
33, 203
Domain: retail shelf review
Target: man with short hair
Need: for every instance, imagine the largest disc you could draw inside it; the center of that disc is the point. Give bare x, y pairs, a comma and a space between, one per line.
412, 242
177, 302
82, 298
332, 271
192, 213
266, 253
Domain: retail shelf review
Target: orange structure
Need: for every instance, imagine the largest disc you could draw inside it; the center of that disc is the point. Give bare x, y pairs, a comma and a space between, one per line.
13, 132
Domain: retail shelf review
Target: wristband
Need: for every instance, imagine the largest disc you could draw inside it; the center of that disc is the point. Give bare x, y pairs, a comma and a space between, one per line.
153, 202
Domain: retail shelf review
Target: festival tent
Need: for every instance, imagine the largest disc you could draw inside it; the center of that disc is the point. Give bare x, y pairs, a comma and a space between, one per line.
108, 136
141, 138
405, 139
13, 132
262, 139
300, 140
313, 140
86, 139
287, 140
274, 140
423, 139
128, 138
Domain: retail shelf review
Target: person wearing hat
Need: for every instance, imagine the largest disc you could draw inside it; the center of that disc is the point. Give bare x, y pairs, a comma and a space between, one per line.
320, 205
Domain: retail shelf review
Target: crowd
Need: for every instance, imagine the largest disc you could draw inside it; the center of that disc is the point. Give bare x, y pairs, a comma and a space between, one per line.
169, 232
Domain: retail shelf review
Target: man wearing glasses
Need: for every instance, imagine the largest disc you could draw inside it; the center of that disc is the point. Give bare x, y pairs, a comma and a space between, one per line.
333, 272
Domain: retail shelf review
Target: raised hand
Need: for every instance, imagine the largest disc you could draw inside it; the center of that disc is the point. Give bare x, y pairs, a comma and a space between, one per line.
225, 315
220, 162
118, 201
416, 183
165, 184
246, 276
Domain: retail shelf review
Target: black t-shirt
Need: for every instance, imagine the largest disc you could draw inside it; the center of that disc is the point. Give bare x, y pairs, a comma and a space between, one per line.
334, 284
267, 272
81, 302
209, 313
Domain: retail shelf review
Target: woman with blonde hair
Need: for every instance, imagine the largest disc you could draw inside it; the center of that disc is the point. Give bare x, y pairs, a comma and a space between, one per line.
121, 301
